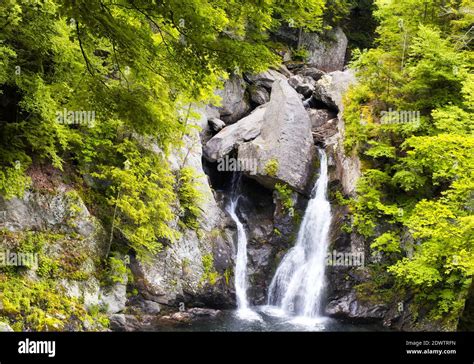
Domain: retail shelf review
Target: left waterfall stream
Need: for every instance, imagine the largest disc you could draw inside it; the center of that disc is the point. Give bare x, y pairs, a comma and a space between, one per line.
240, 272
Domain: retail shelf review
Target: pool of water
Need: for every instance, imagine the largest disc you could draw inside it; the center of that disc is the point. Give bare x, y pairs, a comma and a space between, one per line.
262, 319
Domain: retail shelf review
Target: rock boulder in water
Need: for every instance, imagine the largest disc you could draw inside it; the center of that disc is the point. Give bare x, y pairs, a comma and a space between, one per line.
349, 307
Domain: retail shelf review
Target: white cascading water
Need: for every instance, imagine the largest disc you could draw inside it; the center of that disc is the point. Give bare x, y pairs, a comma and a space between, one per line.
240, 271
298, 284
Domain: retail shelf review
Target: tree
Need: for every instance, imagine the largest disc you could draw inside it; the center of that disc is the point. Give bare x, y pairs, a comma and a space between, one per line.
415, 197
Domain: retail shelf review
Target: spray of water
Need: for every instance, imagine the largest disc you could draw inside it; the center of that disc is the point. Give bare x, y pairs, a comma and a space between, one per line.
298, 284
240, 271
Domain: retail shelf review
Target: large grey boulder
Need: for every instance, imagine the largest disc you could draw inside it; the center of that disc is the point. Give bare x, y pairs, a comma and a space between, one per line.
284, 150
235, 103
331, 88
304, 85
265, 79
327, 51
259, 95
319, 117
216, 124
233, 135
312, 72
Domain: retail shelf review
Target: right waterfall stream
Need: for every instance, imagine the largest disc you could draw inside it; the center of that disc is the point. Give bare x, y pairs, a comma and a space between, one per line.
298, 285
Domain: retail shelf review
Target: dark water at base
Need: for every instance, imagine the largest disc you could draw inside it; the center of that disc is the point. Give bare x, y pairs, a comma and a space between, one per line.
263, 322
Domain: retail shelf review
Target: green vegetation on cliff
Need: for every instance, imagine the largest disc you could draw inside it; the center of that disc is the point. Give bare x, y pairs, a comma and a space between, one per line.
410, 119
84, 83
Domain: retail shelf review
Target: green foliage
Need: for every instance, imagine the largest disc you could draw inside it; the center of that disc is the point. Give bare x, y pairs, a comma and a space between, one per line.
271, 168
227, 275
340, 199
141, 192
380, 150
371, 204
210, 275
337, 10
13, 181
68, 261
285, 195
29, 305
417, 178
300, 54
387, 242
117, 270
189, 198
136, 67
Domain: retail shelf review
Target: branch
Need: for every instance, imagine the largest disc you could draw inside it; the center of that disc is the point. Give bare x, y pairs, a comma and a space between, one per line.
88, 65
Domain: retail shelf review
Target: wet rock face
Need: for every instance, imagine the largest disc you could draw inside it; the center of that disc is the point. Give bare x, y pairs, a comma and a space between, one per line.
350, 308
329, 91
270, 232
342, 299
256, 210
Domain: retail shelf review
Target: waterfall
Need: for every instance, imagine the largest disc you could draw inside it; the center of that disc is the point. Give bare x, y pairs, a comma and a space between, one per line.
240, 271
298, 283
